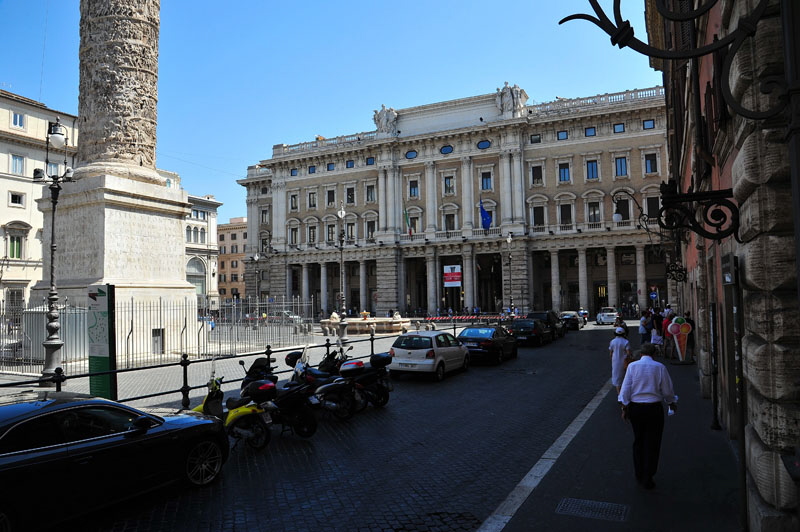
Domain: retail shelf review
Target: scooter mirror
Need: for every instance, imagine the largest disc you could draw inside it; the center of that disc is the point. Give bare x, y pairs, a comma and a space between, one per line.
241, 363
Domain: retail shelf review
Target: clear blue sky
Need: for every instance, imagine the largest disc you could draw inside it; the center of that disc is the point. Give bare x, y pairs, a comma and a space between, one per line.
237, 77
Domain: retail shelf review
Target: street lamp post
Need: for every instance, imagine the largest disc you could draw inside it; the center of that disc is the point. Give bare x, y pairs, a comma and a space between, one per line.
343, 318
57, 137
509, 239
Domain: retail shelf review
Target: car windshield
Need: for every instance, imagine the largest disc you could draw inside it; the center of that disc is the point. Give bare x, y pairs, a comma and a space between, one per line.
538, 315
608, 310
567, 315
522, 323
413, 342
478, 332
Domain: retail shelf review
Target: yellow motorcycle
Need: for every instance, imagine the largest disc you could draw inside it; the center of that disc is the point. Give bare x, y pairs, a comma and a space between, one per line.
243, 419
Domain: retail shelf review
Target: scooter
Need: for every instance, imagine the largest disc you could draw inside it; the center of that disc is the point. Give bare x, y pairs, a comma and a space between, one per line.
293, 401
336, 394
243, 420
371, 379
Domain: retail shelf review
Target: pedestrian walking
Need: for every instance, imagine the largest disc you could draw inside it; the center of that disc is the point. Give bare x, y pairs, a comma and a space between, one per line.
645, 389
619, 322
644, 332
212, 324
619, 349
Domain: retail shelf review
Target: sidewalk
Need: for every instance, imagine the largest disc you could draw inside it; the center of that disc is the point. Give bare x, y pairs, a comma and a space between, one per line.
592, 485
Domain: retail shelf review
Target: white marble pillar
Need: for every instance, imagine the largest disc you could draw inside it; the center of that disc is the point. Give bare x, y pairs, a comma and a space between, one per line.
467, 196
555, 281
518, 187
279, 207
611, 265
641, 278
323, 288
438, 282
583, 279
383, 195
468, 267
506, 207
288, 281
402, 285
430, 265
430, 197
362, 286
391, 202
305, 295
345, 286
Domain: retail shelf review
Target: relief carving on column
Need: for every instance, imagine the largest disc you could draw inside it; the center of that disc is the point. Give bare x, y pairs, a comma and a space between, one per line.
119, 89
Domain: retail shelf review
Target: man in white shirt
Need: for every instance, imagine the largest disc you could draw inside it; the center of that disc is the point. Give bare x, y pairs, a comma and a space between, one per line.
647, 385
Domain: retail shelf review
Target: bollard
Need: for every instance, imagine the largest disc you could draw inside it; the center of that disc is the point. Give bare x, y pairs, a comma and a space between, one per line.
372, 342
327, 347
185, 388
58, 378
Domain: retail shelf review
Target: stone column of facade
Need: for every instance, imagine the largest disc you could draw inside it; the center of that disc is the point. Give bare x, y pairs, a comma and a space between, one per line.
430, 276
387, 276
555, 280
430, 197
363, 299
383, 196
611, 266
468, 261
402, 283
518, 185
641, 278
437, 282
505, 189
279, 209
304, 293
346, 288
467, 195
583, 279
392, 178
288, 287
323, 288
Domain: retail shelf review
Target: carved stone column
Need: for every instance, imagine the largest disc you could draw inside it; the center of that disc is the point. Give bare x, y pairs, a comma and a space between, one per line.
505, 189
363, 299
555, 281
430, 197
611, 265
641, 277
383, 195
468, 261
518, 186
430, 271
304, 293
467, 194
323, 288
583, 278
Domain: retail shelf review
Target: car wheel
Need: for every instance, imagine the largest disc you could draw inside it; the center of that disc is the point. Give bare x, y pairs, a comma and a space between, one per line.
438, 375
203, 462
259, 431
304, 423
465, 365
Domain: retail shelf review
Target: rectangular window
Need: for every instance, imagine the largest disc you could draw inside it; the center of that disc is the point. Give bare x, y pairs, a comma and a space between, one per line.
331, 233
234, 277
222, 250
293, 202
649, 124
17, 199
563, 172
413, 188
623, 208
234, 264
594, 212
312, 200
538, 215
293, 171
650, 163
590, 131
293, 235
234, 236
619, 128
566, 214
264, 216
52, 169
312, 169
370, 161
265, 245
621, 164
351, 195
536, 138
449, 222
350, 164
486, 181
536, 175
350, 231
222, 237
562, 135
17, 164
18, 120
449, 187
15, 247
331, 198
370, 228
222, 265
414, 222
235, 249
331, 167
591, 170
370, 193
312, 233
653, 205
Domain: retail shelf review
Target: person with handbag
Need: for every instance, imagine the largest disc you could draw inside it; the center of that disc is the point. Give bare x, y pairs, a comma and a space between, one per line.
645, 388
619, 350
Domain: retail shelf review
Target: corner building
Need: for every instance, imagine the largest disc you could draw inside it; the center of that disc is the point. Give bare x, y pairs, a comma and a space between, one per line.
412, 191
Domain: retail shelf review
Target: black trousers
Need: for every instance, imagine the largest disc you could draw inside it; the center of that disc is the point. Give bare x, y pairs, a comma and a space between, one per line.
647, 420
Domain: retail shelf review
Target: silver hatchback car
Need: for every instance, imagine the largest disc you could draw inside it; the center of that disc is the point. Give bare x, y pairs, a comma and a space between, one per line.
607, 315
436, 352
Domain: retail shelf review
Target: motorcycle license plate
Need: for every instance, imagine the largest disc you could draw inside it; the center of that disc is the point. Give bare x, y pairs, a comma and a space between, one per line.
266, 417
313, 400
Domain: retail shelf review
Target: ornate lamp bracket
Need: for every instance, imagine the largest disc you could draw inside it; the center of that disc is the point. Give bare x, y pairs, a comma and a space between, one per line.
710, 214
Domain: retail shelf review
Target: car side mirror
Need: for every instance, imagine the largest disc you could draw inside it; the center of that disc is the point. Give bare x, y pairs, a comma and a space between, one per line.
141, 424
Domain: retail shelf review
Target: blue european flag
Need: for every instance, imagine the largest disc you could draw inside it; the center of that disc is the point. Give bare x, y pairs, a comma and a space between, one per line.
486, 218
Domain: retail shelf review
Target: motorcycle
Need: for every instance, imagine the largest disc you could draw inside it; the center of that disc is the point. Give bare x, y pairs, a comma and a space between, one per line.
336, 394
371, 379
293, 401
242, 419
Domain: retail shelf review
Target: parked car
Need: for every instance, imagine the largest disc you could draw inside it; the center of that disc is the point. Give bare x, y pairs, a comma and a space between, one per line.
551, 319
436, 352
103, 450
489, 342
607, 315
572, 319
531, 331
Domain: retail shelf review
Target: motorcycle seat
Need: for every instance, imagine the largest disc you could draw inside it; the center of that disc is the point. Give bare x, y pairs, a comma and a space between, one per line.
233, 402
317, 374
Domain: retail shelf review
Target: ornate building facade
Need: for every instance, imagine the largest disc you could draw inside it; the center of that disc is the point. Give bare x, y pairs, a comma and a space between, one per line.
232, 252
444, 186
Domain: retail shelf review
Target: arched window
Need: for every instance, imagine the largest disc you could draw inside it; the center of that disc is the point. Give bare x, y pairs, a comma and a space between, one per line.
196, 275
194, 235
202, 236
188, 234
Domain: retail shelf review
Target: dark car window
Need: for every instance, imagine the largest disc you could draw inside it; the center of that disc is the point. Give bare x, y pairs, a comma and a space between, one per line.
95, 421
538, 315
441, 341
41, 431
413, 342
523, 323
478, 332
452, 340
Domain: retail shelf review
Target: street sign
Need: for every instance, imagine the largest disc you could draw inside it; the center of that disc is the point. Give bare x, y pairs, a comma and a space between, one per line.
452, 276
653, 295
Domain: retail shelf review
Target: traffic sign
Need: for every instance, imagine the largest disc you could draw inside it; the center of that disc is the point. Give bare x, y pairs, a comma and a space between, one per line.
653, 295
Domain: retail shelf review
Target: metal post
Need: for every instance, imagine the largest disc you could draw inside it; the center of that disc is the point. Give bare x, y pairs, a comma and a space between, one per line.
343, 319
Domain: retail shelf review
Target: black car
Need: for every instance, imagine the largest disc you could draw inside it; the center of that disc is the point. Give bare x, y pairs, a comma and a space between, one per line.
489, 342
531, 331
551, 319
572, 319
98, 451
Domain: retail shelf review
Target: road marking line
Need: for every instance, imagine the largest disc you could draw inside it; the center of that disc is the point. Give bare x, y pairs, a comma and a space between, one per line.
503, 514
